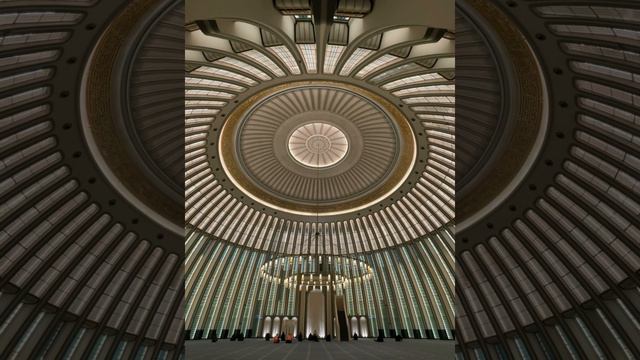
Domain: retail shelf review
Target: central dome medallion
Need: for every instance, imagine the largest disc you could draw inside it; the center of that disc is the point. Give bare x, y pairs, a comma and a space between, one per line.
318, 145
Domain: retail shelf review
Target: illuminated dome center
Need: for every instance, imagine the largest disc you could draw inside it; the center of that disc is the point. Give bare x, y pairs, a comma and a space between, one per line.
318, 145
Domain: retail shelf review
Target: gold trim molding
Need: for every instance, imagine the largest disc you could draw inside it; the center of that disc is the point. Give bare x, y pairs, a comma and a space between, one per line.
528, 116
101, 120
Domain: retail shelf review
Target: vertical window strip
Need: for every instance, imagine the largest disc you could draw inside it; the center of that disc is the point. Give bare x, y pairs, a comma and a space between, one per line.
616, 335
283, 299
371, 317
524, 354
217, 312
410, 284
118, 354
192, 298
142, 350
426, 306
439, 307
253, 284
447, 292
380, 319
567, 343
548, 354
235, 319
261, 296
237, 268
631, 317
52, 339
479, 353
207, 292
402, 302
293, 291
10, 318
27, 334
74, 343
191, 271
591, 339
357, 284
97, 347
433, 312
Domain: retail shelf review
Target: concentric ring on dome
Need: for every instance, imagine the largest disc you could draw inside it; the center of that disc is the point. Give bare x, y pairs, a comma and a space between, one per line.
318, 145
493, 167
253, 148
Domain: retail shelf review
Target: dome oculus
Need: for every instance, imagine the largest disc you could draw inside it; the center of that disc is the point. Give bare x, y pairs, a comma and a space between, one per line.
318, 145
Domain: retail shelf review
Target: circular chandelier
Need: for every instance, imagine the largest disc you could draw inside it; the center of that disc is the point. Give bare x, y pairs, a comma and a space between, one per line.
293, 271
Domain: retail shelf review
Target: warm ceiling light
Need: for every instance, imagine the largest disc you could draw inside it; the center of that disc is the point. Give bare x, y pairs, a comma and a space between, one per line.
318, 145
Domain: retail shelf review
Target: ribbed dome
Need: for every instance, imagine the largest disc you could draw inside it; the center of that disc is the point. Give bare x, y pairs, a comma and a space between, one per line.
265, 136
393, 100
154, 108
551, 271
375, 226
86, 271
480, 114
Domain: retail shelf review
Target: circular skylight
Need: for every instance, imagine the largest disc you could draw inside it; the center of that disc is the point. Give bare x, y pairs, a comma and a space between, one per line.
318, 145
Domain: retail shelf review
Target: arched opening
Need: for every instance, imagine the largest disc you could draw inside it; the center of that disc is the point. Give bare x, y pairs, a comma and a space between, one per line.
354, 326
276, 326
266, 327
364, 330
315, 313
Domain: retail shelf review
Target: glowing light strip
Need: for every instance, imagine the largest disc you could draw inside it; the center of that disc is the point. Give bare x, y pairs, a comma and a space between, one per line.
241, 65
308, 52
356, 58
224, 74
285, 56
412, 80
259, 57
377, 64
331, 56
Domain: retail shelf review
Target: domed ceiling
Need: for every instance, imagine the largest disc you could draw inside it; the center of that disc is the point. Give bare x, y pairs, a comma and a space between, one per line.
547, 172
91, 193
323, 129
336, 130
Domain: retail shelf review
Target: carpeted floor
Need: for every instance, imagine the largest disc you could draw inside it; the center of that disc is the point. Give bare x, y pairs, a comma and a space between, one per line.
258, 349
